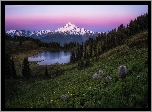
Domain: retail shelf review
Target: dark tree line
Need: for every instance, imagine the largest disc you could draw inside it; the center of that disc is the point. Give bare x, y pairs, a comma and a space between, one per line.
93, 47
21, 39
26, 69
10, 72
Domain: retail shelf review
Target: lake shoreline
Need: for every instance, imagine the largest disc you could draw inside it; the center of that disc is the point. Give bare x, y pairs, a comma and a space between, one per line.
51, 57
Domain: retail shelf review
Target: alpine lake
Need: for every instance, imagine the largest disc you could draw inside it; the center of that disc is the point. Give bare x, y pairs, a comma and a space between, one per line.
51, 57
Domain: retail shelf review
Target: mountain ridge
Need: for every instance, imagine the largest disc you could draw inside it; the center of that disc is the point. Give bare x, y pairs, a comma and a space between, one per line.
66, 28
67, 33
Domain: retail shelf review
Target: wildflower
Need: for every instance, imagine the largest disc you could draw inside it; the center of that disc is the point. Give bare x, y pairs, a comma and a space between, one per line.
51, 100
108, 78
99, 102
127, 47
138, 77
122, 71
100, 73
64, 97
95, 76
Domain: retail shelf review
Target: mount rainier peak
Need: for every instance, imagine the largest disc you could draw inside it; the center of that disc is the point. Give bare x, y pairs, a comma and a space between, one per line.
72, 29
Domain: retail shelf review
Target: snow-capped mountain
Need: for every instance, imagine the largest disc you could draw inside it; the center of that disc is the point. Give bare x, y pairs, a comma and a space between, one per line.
35, 34
72, 29
69, 32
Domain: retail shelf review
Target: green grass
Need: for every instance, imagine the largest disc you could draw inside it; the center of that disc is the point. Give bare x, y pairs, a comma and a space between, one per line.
83, 91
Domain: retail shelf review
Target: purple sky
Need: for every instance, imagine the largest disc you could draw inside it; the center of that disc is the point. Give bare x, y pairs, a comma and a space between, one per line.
98, 18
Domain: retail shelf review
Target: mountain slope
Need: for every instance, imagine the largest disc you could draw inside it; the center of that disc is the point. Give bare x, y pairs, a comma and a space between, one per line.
84, 92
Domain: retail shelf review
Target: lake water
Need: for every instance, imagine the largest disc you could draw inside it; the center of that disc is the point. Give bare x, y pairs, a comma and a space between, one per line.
51, 57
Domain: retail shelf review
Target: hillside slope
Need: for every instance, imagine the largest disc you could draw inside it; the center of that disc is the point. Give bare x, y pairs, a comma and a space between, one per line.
85, 92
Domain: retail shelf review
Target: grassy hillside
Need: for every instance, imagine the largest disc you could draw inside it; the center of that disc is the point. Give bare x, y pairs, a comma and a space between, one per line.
85, 92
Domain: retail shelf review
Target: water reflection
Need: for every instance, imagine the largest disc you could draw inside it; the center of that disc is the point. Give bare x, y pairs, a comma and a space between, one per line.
51, 57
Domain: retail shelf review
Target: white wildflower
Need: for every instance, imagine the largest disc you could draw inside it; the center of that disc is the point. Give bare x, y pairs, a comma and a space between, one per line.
95, 76
64, 97
108, 78
127, 47
122, 71
100, 73
138, 76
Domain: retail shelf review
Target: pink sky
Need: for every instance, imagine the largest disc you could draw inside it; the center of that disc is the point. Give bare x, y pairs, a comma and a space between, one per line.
91, 17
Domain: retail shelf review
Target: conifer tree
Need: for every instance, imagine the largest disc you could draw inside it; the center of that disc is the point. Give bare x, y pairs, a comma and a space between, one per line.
13, 69
90, 50
85, 51
20, 43
46, 72
87, 62
8, 69
25, 68
72, 59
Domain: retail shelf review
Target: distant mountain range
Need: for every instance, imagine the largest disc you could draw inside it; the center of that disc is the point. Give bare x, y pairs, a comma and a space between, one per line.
65, 34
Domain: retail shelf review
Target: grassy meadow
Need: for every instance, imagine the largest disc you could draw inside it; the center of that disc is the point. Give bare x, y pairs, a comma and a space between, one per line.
82, 90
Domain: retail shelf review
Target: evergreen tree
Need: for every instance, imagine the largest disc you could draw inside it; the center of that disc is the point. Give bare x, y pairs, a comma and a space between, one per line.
90, 50
20, 43
78, 53
25, 68
81, 51
87, 62
46, 72
8, 69
72, 59
96, 51
13, 69
85, 50
81, 64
